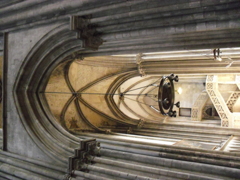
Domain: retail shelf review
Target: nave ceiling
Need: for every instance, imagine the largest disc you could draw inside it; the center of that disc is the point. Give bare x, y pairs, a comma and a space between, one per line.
97, 46
93, 80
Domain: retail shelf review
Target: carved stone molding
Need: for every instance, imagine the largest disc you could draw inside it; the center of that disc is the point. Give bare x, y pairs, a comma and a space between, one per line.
139, 62
139, 59
141, 123
218, 101
86, 32
82, 156
209, 112
232, 100
198, 106
140, 70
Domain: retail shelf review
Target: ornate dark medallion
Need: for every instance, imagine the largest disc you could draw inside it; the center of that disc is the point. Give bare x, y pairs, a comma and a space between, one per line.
166, 95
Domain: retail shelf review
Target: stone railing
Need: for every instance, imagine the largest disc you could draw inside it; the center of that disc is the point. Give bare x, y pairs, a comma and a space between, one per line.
218, 101
198, 106
232, 100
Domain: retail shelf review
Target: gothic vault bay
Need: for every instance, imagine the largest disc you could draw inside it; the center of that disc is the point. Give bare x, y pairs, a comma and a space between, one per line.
79, 89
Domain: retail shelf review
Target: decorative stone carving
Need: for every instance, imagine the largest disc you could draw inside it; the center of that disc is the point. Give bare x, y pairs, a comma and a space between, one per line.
194, 113
73, 123
140, 124
209, 111
86, 31
198, 106
232, 100
88, 147
141, 71
139, 59
209, 86
225, 124
210, 78
224, 109
129, 131
78, 56
218, 101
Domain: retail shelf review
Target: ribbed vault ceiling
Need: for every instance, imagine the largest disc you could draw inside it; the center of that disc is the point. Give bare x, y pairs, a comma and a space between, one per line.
86, 93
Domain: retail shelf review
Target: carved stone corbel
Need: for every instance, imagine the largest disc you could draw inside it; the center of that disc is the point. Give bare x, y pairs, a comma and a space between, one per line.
141, 71
82, 156
129, 131
75, 55
86, 32
139, 59
140, 124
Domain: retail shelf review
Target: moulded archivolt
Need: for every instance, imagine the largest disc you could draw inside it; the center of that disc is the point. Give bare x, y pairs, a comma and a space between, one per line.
55, 47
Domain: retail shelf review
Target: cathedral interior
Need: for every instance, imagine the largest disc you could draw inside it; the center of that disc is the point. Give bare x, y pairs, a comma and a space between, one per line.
120, 89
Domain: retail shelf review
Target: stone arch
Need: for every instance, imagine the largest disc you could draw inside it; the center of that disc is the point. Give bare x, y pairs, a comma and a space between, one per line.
56, 46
